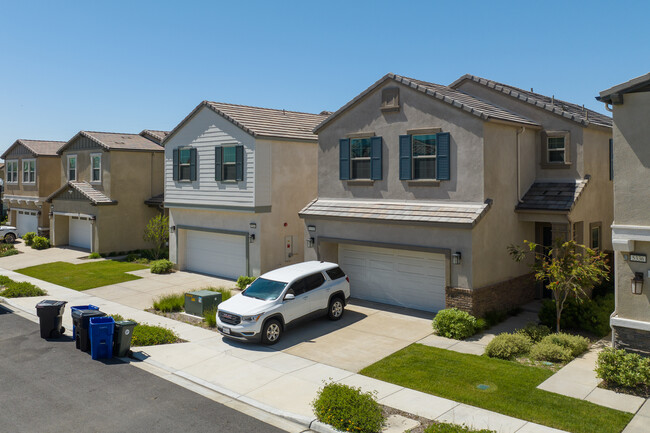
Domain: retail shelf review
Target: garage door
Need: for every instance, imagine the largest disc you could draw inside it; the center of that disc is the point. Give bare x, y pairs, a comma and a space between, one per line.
410, 279
215, 254
80, 232
26, 222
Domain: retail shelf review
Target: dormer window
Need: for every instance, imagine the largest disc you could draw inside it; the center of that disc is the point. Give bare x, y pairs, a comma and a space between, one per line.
29, 171
96, 167
555, 149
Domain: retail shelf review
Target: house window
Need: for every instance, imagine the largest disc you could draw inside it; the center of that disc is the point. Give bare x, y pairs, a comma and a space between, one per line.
12, 171
72, 167
96, 167
184, 164
360, 151
360, 158
229, 163
555, 149
424, 156
29, 170
595, 242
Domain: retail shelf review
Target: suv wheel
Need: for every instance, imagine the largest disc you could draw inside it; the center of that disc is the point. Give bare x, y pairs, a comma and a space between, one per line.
335, 310
271, 332
10, 238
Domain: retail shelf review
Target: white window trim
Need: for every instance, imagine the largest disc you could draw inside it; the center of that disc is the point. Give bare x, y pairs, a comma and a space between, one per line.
414, 158
224, 163
180, 164
566, 135
76, 167
22, 172
92, 169
11, 162
360, 158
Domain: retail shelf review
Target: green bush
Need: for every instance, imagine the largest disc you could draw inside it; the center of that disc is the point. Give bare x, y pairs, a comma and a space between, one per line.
169, 303
29, 237
453, 323
5, 280
535, 332
131, 257
508, 346
40, 243
453, 428
622, 368
22, 290
547, 351
117, 317
8, 250
574, 343
210, 317
244, 281
94, 255
590, 315
348, 409
149, 335
162, 266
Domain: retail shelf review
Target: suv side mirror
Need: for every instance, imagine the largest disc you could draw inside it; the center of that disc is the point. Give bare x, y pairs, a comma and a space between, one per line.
289, 297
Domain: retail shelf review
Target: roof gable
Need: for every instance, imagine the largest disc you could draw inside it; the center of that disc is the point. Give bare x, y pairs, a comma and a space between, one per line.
80, 190
35, 147
115, 141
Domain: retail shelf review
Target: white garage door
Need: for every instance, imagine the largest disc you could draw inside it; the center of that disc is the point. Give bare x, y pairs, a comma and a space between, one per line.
80, 232
410, 279
26, 222
215, 254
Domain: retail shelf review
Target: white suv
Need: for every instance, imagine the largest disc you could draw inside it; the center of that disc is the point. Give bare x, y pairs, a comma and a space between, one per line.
281, 298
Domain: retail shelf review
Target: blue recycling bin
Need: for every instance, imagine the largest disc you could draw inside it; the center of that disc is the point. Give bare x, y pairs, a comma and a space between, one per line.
101, 337
79, 307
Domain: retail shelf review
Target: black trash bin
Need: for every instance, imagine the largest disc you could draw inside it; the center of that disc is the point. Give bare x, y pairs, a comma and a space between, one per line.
50, 314
80, 319
122, 337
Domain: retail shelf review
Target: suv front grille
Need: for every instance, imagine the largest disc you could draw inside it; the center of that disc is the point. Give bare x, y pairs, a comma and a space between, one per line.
231, 319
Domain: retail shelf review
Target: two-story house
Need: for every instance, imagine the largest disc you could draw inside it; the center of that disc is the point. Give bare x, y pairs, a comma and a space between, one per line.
421, 189
630, 103
235, 178
31, 174
108, 177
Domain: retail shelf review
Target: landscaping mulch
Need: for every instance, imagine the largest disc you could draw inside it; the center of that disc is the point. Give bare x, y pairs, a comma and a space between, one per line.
639, 391
182, 317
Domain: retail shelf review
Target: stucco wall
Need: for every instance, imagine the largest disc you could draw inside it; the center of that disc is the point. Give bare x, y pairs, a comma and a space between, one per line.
84, 169
628, 305
48, 178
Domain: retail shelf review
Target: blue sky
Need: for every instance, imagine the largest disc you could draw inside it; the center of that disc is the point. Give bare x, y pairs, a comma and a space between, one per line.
129, 65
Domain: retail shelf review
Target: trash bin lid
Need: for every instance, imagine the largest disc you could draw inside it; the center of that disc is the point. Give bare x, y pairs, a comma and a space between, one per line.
86, 313
50, 303
119, 323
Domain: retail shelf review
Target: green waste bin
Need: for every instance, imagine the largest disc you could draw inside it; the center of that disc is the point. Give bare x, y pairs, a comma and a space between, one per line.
122, 337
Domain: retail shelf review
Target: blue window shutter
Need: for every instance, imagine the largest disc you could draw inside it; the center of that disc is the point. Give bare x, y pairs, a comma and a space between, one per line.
344, 159
239, 162
193, 164
218, 163
175, 164
405, 157
611, 159
443, 142
375, 158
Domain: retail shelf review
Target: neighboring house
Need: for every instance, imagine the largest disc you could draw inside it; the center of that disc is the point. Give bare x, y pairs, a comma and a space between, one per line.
235, 179
108, 177
631, 229
31, 174
422, 187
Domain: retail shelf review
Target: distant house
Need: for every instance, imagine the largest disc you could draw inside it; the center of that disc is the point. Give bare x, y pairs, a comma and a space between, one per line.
108, 178
31, 174
235, 178
630, 102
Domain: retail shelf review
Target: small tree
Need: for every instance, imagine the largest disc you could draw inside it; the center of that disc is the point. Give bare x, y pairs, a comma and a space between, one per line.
568, 267
157, 232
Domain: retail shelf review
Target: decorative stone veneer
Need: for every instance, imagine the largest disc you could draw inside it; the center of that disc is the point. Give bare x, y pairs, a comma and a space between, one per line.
632, 340
501, 296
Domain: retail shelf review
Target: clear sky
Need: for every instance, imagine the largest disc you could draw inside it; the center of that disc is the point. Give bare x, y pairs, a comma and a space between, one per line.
125, 66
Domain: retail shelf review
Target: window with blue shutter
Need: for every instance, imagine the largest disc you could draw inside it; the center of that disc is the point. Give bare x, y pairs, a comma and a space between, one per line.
443, 144
218, 163
192, 164
375, 158
405, 157
185, 164
229, 163
175, 164
344, 159
239, 163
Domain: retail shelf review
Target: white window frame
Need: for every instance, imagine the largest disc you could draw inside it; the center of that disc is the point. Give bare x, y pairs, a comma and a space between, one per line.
76, 167
414, 158
566, 153
92, 168
31, 174
187, 164
13, 179
598, 226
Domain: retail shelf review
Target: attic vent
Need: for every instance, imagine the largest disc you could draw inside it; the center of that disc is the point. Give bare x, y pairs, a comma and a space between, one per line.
390, 99
119, 142
325, 113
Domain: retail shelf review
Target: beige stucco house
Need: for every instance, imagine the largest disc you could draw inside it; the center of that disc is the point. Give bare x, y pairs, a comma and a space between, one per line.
422, 187
235, 178
107, 178
31, 174
630, 102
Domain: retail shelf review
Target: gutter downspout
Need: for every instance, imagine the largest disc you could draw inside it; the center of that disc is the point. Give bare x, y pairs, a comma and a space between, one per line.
519, 132
608, 108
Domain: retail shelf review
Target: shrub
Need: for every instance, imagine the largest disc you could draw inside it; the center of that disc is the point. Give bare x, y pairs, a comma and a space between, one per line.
94, 255
453, 428
142, 261
131, 257
40, 243
169, 303
574, 343
8, 250
149, 335
622, 368
5, 280
535, 332
117, 317
547, 351
225, 293
162, 266
590, 315
22, 290
210, 317
244, 281
348, 409
508, 346
28, 238
453, 323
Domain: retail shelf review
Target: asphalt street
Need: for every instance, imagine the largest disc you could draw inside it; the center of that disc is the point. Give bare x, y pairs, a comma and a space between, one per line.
50, 386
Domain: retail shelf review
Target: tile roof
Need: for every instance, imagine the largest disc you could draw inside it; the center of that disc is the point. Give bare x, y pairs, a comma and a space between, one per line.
461, 100
96, 197
38, 147
552, 196
574, 112
156, 200
405, 212
638, 84
120, 141
155, 135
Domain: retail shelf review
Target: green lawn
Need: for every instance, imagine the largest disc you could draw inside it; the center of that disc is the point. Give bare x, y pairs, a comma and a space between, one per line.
512, 388
84, 276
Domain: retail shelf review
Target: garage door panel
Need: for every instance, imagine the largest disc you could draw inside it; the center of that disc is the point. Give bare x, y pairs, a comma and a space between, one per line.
217, 254
26, 222
79, 234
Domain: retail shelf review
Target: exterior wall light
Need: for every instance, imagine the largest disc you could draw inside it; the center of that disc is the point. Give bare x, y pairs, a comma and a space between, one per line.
456, 258
51, 214
253, 225
172, 229
637, 283
311, 228
251, 238
310, 243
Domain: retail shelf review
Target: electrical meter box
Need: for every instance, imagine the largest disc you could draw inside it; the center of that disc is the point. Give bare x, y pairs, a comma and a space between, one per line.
196, 303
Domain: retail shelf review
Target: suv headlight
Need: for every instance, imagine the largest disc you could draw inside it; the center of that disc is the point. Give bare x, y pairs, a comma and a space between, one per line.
251, 318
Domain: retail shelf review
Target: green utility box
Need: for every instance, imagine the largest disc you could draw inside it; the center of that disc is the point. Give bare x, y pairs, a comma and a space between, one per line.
201, 300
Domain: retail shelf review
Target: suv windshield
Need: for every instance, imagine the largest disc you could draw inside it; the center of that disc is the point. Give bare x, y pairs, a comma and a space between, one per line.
266, 290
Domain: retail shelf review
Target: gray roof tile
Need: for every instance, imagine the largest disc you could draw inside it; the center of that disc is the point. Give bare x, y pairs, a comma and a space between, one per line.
552, 196
37, 147
87, 190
